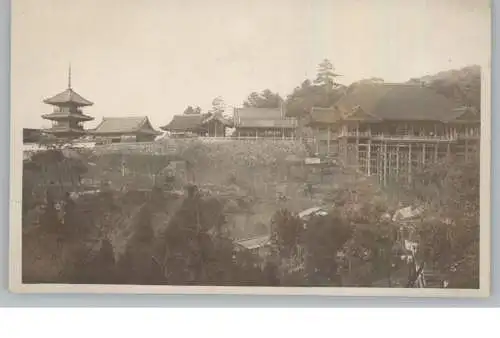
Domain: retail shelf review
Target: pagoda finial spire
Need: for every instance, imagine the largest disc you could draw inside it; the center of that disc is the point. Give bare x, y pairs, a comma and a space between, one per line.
69, 76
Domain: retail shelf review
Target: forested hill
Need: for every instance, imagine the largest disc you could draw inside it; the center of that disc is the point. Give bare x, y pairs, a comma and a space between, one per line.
461, 85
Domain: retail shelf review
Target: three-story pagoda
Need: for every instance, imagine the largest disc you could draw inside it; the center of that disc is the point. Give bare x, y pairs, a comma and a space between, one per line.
67, 117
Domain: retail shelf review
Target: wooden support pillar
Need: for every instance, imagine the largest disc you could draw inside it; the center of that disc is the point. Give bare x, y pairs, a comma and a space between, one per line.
317, 140
122, 163
344, 151
466, 154
385, 164
409, 163
328, 141
436, 146
380, 163
357, 152
423, 154
448, 152
397, 160
369, 158
389, 162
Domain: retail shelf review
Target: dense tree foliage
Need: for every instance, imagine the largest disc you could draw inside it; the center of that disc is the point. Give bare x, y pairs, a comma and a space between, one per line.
463, 86
323, 92
326, 76
307, 95
287, 231
324, 238
218, 106
265, 99
449, 235
192, 111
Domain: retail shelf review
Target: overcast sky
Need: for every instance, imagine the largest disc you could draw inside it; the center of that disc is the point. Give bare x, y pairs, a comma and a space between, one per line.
155, 57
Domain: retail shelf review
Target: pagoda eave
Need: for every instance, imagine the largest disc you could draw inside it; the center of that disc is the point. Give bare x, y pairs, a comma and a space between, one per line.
67, 103
60, 117
68, 131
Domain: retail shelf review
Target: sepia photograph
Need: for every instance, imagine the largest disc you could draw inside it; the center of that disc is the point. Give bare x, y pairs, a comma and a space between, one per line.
326, 147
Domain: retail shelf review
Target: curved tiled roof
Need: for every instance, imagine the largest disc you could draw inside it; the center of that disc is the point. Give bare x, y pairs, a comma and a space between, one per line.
125, 125
397, 102
67, 115
258, 113
185, 123
66, 97
194, 122
262, 118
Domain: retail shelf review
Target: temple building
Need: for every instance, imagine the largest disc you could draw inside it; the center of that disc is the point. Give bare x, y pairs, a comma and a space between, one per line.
124, 129
390, 130
198, 125
263, 123
67, 117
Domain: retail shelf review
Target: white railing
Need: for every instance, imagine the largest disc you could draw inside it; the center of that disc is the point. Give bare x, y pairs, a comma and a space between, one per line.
258, 138
414, 138
354, 134
469, 136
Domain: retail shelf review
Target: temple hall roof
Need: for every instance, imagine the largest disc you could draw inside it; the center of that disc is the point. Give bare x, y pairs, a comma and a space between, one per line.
262, 118
187, 122
125, 125
396, 102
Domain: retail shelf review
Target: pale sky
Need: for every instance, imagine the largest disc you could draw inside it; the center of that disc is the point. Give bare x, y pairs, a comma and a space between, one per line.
155, 57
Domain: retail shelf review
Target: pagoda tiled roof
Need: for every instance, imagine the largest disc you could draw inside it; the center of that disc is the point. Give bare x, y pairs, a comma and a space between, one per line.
69, 96
64, 130
67, 115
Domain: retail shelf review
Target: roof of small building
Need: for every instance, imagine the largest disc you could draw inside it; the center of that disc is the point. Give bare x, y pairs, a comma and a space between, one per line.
397, 102
66, 97
262, 118
254, 242
266, 124
407, 213
194, 122
259, 113
125, 125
